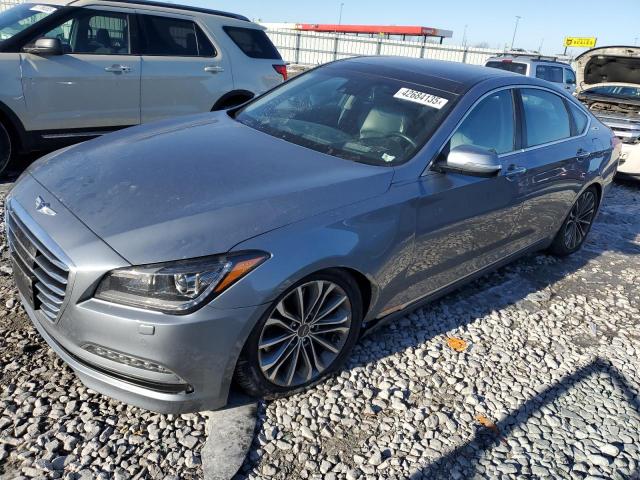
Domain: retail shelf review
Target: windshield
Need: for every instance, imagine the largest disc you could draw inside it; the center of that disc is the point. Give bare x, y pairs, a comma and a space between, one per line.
350, 115
630, 93
509, 66
21, 17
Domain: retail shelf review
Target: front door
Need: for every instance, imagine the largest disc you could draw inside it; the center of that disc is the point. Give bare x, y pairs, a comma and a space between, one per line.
464, 223
94, 84
182, 70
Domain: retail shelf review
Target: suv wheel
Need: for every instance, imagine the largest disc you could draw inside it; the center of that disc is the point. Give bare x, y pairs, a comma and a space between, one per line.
577, 225
5, 148
306, 334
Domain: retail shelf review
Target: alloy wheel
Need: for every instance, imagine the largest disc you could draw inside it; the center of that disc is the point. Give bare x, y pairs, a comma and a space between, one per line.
580, 219
304, 333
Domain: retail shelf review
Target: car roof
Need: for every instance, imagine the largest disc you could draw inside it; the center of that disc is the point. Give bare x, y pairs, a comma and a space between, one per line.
452, 77
149, 3
528, 59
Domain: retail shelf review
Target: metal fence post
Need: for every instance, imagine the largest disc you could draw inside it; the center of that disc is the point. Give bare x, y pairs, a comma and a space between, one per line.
379, 46
297, 54
464, 55
335, 47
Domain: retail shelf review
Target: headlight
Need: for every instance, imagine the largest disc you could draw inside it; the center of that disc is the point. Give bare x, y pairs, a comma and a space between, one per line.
177, 287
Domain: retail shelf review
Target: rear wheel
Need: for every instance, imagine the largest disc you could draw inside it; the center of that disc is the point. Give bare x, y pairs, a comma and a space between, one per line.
6, 148
306, 334
577, 225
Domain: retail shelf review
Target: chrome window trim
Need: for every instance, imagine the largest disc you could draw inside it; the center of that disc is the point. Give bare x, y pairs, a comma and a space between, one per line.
522, 150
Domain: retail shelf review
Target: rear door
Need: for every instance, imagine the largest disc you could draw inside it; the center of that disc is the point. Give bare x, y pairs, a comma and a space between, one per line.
95, 83
183, 70
552, 166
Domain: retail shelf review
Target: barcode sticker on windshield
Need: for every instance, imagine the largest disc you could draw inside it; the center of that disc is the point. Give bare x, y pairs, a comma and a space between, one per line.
43, 9
421, 98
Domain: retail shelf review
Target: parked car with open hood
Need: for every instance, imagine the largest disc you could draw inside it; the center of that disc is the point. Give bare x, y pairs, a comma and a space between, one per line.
75, 69
165, 260
609, 85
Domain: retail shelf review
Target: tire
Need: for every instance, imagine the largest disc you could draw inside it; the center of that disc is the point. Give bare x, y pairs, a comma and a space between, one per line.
265, 364
6, 148
577, 225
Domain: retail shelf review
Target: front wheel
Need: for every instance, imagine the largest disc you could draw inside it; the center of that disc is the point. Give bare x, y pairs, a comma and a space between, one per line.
5, 148
577, 225
306, 334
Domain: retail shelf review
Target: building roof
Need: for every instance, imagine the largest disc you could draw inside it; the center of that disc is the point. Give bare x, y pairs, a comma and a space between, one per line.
409, 30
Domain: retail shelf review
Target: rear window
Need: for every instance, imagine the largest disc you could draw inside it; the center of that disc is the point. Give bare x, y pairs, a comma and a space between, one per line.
579, 118
174, 37
254, 43
509, 66
549, 73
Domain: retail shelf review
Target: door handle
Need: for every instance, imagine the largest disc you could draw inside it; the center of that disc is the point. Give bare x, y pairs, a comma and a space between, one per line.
582, 154
117, 69
514, 170
213, 69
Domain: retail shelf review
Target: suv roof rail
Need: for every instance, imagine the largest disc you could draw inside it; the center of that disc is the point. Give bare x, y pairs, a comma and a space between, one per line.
531, 56
183, 7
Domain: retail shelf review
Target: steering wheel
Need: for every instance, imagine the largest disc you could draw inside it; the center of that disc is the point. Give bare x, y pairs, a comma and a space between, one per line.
404, 137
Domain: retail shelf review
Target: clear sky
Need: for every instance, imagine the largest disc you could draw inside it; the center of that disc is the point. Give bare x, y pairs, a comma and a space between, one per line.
491, 21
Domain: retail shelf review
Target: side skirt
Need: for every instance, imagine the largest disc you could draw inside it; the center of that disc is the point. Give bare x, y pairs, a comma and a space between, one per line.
376, 323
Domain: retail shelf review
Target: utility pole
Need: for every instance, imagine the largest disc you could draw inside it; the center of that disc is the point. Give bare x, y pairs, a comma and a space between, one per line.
518, 17
540, 47
464, 36
340, 16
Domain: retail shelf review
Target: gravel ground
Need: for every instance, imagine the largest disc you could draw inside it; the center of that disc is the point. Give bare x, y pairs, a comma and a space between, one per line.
548, 386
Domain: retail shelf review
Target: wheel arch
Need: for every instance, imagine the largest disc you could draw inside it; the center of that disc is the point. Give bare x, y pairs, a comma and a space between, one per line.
228, 99
15, 127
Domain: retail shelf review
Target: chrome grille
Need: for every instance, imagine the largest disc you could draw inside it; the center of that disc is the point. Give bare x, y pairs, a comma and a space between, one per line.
48, 274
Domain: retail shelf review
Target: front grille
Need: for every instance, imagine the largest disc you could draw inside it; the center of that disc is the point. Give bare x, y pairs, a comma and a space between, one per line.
46, 272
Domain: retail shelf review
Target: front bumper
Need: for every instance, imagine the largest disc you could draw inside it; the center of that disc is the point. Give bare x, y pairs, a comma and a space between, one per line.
630, 160
198, 352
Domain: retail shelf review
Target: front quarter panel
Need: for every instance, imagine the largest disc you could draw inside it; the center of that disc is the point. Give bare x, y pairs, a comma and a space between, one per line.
374, 238
11, 94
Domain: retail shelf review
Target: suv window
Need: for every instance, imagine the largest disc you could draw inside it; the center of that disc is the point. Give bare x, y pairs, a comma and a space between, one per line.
579, 118
509, 66
254, 43
546, 117
174, 37
549, 73
95, 32
570, 77
490, 124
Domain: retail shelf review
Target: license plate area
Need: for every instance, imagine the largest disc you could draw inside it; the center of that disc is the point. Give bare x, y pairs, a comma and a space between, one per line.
24, 282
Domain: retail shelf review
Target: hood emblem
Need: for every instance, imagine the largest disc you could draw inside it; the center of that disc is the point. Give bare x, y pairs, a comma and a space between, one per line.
44, 207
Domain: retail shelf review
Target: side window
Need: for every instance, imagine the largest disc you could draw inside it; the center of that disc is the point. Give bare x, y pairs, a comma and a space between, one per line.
546, 117
489, 125
254, 43
570, 77
579, 118
174, 37
94, 32
549, 73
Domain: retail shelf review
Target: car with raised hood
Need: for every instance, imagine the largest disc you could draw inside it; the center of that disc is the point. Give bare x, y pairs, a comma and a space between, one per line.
256, 244
609, 86
71, 70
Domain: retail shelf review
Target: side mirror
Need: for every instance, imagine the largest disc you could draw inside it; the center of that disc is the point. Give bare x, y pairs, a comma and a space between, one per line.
472, 160
46, 46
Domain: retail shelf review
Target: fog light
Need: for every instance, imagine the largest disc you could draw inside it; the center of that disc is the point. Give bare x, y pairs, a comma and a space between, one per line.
126, 359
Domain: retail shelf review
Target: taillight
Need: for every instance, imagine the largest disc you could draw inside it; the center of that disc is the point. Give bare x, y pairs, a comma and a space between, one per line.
282, 70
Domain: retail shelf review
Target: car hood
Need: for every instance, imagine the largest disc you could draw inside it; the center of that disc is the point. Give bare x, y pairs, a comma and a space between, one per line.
608, 66
198, 186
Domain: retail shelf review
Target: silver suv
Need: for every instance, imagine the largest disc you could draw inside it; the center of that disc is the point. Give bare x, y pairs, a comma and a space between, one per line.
539, 66
71, 70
